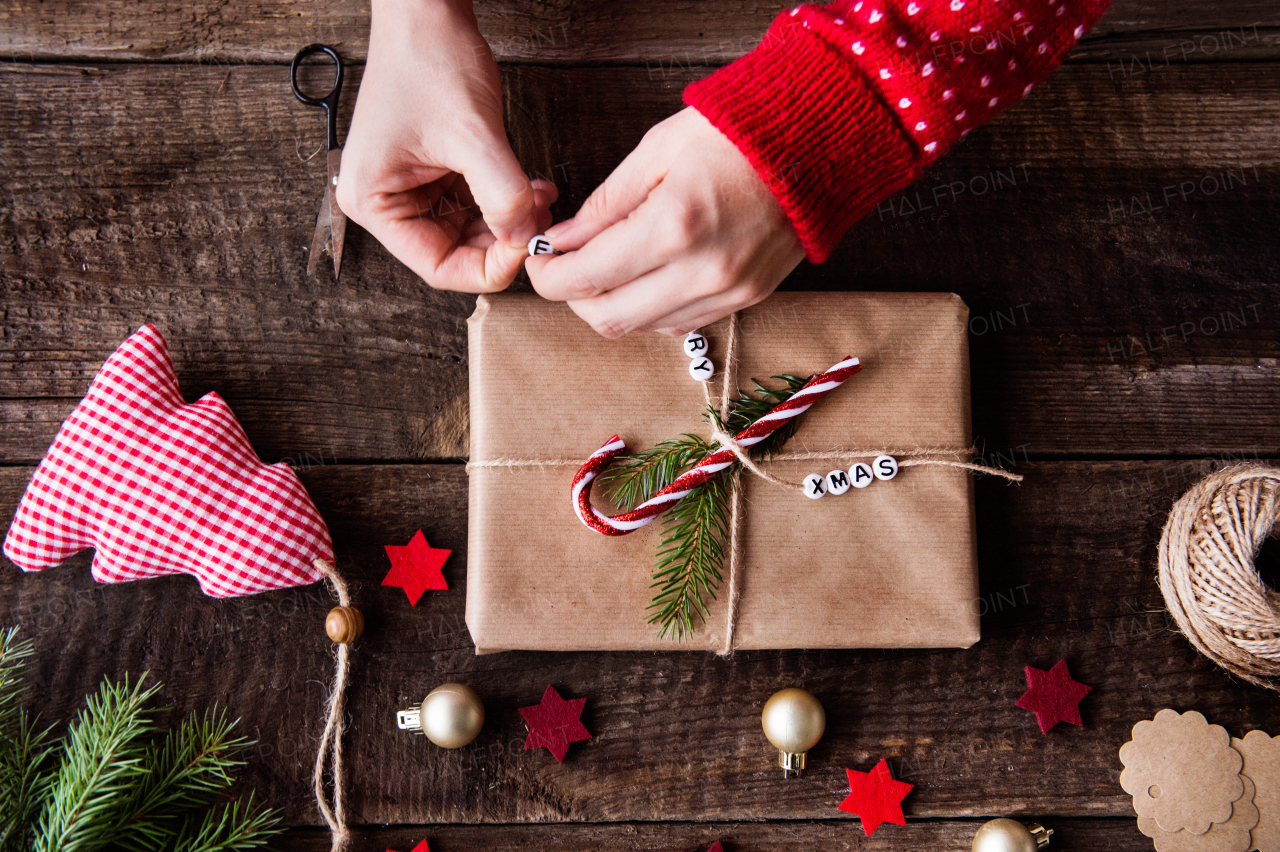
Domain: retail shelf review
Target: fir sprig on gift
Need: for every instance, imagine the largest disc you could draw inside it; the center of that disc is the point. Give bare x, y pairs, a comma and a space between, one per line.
111, 782
695, 528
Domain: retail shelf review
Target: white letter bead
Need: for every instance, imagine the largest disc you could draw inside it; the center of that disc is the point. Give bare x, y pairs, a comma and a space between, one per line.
701, 369
540, 245
860, 475
837, 482
696, 346
814, 486
886, 467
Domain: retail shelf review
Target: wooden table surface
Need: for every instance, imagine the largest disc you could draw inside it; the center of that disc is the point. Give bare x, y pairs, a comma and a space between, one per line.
1115, 236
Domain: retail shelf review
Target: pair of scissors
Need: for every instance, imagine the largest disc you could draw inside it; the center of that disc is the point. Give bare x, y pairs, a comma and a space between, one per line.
331, 224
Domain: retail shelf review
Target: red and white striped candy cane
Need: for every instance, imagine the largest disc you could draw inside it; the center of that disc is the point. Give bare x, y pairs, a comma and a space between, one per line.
797, 404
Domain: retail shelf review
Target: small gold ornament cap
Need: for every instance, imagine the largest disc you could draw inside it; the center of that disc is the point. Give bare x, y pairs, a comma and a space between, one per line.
794, 721
451, 716
1009, 835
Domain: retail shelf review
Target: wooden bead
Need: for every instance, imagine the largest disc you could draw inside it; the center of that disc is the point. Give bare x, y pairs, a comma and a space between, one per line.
344, 624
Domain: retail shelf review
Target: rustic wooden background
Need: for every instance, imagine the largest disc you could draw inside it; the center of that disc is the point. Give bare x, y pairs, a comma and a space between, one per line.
1125, 340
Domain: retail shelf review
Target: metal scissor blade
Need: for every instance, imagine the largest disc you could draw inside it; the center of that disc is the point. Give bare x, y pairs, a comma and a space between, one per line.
338, 219
321, 236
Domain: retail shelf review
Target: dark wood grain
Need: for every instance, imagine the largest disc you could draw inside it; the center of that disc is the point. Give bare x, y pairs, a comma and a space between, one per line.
1101, 291
1069, 835
1067, 570
664, 33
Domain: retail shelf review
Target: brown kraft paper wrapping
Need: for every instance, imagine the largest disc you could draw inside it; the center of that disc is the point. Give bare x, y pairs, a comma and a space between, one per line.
893, 565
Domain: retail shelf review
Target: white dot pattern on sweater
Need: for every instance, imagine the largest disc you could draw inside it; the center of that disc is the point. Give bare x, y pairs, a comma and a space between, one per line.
904, 81
987, 36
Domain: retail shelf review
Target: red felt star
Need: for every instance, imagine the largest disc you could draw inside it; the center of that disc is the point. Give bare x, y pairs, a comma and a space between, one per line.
1053, 696
555, 723
415, 567
715, 847
876, 797
421, 847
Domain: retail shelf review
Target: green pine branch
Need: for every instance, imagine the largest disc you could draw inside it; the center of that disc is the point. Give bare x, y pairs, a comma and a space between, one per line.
102, 763
26, 754
111, 784
240, 825
634, 479
691, 554
186, 771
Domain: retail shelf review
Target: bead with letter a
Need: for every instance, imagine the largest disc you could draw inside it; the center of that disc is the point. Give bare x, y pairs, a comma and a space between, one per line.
860, 475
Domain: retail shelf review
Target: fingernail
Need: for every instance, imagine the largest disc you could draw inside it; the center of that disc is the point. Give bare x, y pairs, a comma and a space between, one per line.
559, 229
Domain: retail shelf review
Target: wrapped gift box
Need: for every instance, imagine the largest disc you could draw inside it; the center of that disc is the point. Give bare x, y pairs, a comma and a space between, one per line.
893, 565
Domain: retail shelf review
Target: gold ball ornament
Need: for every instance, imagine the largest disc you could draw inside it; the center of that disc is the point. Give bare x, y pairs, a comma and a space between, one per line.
344, 624
1009, 835
793, 720
451, 716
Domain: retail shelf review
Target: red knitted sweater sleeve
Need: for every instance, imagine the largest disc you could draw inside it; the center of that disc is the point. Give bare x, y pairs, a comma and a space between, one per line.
841, 106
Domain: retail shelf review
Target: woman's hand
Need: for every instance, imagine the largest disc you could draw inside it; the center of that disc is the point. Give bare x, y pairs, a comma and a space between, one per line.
683, 232
427, 168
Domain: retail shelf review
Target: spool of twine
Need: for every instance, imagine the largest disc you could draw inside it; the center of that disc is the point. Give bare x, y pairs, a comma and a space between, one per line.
1207, 572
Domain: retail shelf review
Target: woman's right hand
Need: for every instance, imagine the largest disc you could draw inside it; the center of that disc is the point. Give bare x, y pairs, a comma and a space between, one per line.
426, 167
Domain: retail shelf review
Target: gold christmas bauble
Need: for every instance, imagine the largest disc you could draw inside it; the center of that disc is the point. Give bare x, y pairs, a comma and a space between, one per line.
793, 720
1009, 835
452, 715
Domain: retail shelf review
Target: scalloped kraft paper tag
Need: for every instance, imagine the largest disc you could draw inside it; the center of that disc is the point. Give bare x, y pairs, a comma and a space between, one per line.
1234, 835
1262, 766
1182, 772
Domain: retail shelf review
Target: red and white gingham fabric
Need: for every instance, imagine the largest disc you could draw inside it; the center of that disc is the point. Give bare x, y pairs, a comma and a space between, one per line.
161, 487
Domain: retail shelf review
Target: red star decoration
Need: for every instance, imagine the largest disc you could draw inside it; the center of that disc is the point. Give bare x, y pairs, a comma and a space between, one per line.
715, 847
421, 847
415, 567
876, 797
555, 723
1053, 696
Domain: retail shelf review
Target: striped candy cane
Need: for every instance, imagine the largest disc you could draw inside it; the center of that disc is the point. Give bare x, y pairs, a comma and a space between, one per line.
797, 404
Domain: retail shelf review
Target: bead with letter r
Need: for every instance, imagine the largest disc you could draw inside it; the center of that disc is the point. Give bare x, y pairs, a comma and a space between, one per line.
695, 345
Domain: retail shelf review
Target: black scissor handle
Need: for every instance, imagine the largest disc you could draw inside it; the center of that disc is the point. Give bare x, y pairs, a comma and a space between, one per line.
329, 101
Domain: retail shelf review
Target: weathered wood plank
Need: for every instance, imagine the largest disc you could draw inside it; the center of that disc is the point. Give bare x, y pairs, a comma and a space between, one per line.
1116, 835
183, 196
663, 33
1066, 571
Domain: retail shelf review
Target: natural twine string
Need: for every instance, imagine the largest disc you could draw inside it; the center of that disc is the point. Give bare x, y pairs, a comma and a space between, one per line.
334, 817
907, 458
1207, 573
